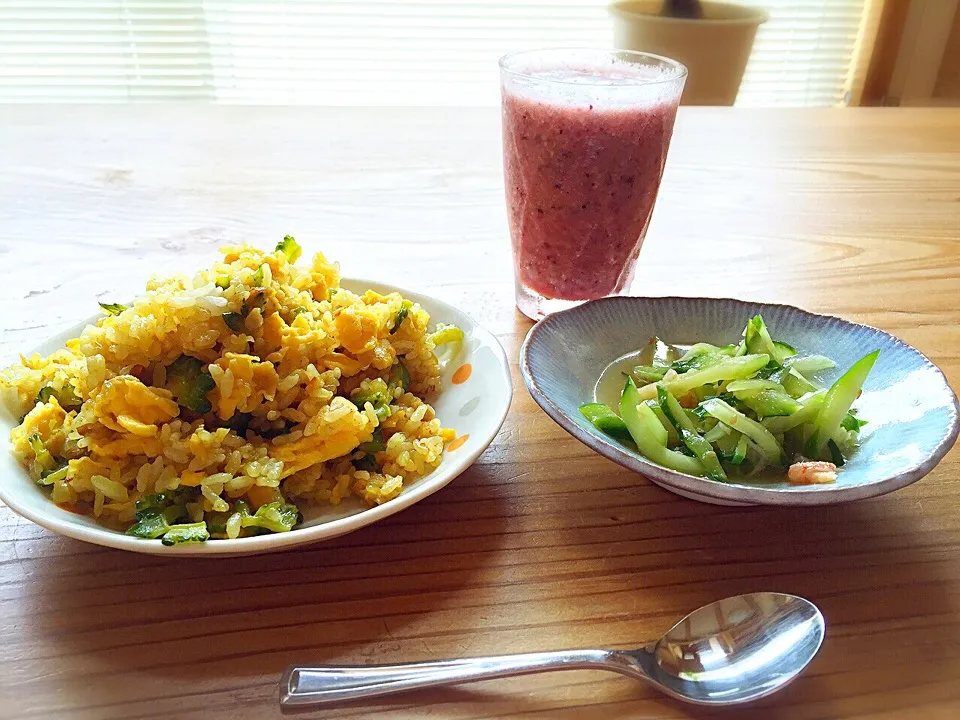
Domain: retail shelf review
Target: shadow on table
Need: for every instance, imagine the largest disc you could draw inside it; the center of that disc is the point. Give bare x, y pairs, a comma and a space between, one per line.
197, 619
869, 566
876, 568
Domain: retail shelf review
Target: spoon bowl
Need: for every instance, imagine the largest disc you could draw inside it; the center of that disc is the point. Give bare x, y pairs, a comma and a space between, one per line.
728, 652
736, 650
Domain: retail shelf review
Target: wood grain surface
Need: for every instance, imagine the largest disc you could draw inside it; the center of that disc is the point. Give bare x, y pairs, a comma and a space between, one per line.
541, 544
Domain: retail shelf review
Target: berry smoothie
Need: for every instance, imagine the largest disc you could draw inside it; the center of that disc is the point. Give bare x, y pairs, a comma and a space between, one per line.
584, 150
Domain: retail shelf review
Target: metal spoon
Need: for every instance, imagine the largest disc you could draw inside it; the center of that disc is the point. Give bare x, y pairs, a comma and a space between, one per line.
731, 651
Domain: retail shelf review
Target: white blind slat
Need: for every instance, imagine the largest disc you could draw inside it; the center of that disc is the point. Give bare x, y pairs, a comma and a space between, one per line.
372, 52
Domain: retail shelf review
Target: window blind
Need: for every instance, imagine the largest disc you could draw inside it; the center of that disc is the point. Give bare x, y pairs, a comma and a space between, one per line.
362, 52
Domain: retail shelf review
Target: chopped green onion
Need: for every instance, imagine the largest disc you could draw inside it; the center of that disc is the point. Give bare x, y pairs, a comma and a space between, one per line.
234, 321
289, 247
44, 459
189, 381
255, 301
377, 394
113, 308
402, 313
852, 423
150, 525
49, 477
445, 334
274, 516
239, 422
368, 462
399, 376
66, 396
836, 457
188, 534
375, 444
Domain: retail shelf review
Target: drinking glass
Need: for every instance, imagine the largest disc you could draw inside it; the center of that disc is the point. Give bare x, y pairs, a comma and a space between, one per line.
585, 138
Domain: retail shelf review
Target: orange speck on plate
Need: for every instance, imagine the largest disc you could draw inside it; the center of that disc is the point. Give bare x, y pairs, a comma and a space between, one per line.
458, 443
462, 374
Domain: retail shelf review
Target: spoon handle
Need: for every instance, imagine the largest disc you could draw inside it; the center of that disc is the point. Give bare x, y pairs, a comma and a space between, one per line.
323, 684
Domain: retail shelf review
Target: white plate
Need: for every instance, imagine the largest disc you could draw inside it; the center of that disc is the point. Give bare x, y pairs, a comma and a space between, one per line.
476, 408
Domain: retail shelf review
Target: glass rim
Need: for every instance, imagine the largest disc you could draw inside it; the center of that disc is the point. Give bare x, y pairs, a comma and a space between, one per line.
679, 70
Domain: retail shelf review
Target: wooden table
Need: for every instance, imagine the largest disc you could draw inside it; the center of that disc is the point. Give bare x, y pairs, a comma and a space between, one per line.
542, 544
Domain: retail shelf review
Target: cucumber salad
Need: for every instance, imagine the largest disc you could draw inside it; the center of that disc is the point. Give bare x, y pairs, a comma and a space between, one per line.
736, 411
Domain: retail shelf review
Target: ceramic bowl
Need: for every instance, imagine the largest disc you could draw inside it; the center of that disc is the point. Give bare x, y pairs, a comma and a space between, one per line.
475, 408
911, 410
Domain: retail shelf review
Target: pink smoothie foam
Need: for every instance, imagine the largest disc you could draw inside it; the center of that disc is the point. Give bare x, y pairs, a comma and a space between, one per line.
582, 172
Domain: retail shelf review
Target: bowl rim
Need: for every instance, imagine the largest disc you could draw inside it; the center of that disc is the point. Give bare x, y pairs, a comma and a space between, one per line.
426, 486
801, 495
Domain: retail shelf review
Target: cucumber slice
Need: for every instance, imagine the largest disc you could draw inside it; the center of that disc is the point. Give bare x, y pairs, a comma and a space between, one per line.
673, 439
699, 349
796, 384
649, 435
839, 399
728, 368
784, 350
705, 453
672, 409
645, 374
717, 433
740, 452
769, 403
809, 364
701, 449
658, 353
758, 340
697, 362
727, 445
754, 385
751, 428
701, 355
606, 421
809, 407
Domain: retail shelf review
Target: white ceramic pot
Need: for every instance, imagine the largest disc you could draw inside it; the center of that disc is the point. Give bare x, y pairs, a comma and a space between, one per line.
715, 48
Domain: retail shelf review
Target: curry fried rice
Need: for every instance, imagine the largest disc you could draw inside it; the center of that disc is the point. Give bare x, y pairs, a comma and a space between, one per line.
214, 405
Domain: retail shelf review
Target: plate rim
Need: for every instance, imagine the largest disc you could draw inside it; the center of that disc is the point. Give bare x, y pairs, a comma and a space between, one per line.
802, 495
274, 542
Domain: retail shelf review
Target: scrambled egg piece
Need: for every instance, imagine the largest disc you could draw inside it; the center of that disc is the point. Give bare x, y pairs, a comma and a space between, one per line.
340, 427
252, 382
127, 405
323, 276
45, 420
106, 444
357, 330
300, 344
82, 471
